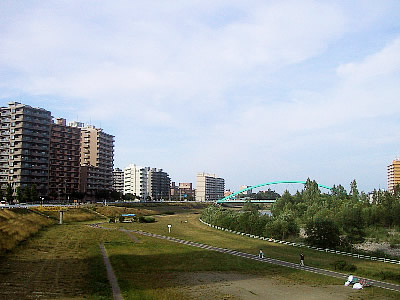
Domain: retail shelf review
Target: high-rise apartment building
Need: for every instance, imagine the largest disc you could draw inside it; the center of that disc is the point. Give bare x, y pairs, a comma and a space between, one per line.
118, 180
24, 147
5, 118
393, 174
36, 151
97, 159
135, 181
158, 184
65, 147
209, 187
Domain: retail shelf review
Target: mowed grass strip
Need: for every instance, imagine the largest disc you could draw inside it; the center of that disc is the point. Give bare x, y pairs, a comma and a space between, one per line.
62, 261
193, 230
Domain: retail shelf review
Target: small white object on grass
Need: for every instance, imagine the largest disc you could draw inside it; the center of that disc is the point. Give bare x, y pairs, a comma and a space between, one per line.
357, 286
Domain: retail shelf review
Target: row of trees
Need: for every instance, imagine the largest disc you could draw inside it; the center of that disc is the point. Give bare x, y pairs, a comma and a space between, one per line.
30, 194
336, 220
22, 195
251, 221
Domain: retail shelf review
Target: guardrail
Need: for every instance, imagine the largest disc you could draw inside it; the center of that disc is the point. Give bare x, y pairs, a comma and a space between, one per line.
355, 255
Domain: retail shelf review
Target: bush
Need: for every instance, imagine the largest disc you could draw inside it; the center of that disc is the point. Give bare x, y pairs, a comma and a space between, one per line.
170, 213
323, 233
112, 220
342, 265
146, 219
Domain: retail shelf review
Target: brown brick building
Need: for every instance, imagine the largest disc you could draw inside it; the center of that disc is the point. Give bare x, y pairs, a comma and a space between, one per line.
65, 147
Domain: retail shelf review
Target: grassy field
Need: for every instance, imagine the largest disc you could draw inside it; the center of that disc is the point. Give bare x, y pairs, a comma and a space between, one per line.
190, 259
195, 231
64, 262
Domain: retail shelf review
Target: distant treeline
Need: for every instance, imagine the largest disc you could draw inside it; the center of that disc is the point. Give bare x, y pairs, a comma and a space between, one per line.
336, 220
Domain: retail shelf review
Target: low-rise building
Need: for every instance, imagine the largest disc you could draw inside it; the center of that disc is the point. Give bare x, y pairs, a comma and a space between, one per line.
209, 187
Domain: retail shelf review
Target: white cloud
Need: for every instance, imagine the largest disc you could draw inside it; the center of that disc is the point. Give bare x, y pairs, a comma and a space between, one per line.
203, 71
384, 63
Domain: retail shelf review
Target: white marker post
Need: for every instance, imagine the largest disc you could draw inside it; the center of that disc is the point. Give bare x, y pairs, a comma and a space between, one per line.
169, 228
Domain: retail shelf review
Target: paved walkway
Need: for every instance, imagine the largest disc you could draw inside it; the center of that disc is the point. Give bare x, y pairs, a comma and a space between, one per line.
385, 285
117, 295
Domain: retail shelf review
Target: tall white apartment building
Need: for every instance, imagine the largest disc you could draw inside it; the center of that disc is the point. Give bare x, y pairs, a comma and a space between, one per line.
135, 181
118, 180
209, 187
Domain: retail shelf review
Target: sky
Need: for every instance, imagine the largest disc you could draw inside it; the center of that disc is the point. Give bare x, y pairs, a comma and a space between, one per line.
253, 91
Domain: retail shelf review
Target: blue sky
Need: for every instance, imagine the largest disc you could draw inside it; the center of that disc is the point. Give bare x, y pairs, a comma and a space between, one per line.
254, 91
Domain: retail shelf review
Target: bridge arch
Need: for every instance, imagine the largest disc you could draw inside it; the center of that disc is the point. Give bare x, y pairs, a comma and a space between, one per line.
265, 184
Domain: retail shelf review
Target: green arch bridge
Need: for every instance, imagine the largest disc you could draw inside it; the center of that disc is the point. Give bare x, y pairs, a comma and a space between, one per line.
229, 198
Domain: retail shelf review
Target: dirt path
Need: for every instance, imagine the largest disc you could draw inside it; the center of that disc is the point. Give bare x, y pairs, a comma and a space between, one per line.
117, 295
222, 285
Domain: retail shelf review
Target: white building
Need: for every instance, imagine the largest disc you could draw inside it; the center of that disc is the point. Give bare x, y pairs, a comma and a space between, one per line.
118, 180
209, 187
248, 192
135, 181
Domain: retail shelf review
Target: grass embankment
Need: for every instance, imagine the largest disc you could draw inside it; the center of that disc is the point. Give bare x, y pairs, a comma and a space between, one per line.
17, 225
72, 215
172, 257
147, 209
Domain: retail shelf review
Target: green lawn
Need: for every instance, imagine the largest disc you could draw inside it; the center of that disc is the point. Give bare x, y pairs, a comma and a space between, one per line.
158, 256
195, 231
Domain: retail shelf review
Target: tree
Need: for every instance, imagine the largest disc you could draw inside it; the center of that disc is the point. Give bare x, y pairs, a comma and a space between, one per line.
249, 206
129, 196
323, 233
34, 194
9, 194
354, 191
18, 194
281, 227
352, 222
26, 195
311, 191
339, 192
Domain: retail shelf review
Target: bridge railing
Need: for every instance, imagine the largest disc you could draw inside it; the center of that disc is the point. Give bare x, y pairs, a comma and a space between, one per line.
355, 255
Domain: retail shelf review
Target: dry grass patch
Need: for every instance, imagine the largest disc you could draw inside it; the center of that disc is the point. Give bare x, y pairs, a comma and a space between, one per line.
75, 215
116, 211
17, 225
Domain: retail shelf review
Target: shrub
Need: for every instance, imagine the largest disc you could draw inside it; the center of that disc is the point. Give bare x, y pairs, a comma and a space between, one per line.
323, 233
146, 219
170, 213
342, 265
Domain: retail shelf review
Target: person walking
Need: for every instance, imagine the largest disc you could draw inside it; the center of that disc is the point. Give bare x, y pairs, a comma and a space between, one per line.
302, 259
261, 254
